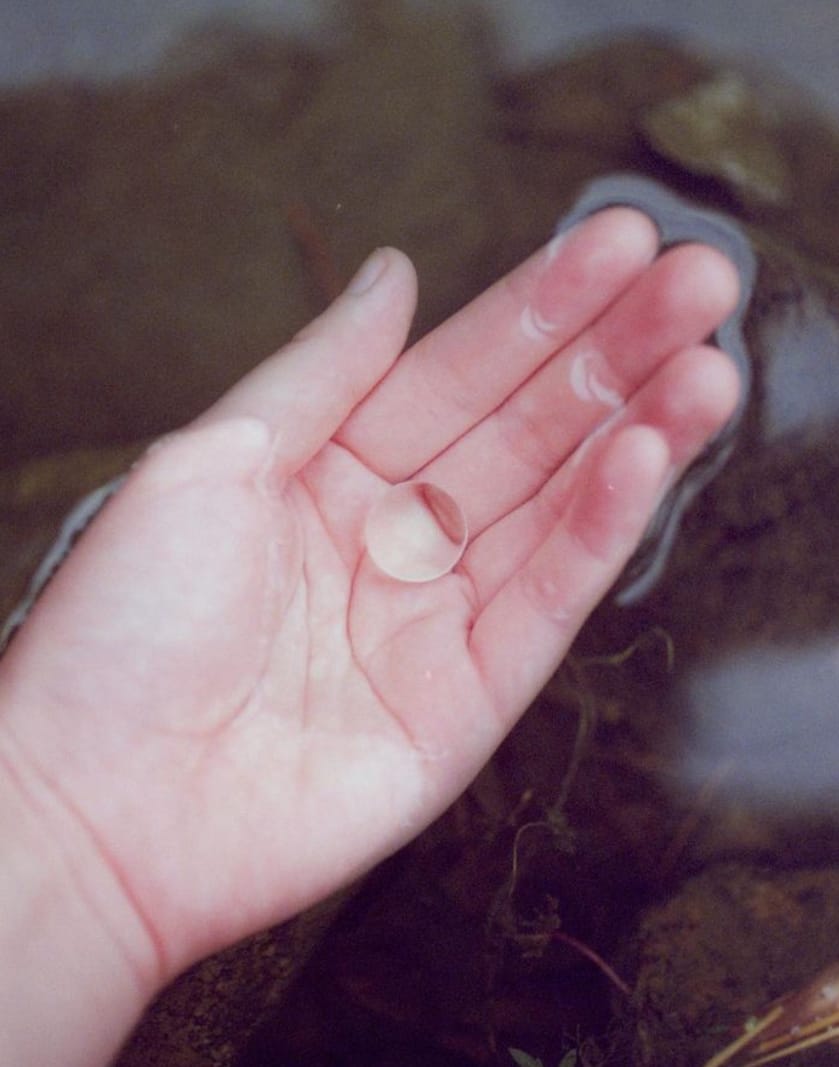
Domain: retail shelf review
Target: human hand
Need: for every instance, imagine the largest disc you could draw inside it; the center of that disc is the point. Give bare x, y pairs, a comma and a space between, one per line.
222, 702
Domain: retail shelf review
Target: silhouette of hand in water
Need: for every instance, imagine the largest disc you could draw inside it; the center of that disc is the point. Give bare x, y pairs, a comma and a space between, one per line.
225, 709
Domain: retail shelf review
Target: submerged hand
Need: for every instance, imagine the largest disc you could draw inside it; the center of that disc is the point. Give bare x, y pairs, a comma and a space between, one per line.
224, 704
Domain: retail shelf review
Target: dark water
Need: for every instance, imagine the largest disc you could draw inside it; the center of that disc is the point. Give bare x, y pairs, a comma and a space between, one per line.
671, 800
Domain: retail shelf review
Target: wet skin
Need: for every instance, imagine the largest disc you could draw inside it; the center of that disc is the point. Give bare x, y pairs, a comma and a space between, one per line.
221, 709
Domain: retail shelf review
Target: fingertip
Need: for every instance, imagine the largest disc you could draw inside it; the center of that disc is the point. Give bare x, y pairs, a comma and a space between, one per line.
385, 263
400, 261
614, 237
725, 384
403, 271
383, 292
614, 506
715, 277
368, 274
632, 228
638, 454
710, 388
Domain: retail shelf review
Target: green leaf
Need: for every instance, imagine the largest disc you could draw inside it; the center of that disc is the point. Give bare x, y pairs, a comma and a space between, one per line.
523, 1059
569, 1059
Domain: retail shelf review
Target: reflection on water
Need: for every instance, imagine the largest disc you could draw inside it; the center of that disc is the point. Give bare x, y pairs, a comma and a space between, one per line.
767, 719
802, 385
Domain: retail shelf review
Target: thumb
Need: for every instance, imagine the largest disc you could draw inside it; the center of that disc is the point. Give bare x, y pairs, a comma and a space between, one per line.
306, 390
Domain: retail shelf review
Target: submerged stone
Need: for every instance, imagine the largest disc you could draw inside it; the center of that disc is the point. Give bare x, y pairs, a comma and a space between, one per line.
719, 130
718, 954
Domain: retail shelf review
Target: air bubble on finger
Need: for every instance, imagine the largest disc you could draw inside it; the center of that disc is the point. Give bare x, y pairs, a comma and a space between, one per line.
534, 326
587, 386
415, 532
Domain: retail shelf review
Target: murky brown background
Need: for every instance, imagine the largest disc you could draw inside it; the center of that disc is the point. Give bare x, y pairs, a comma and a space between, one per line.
672, 802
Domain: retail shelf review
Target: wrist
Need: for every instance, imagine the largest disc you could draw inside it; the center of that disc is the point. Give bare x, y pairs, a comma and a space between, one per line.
76, 969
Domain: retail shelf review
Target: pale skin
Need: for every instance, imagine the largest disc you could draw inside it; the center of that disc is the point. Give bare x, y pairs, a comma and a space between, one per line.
220, 710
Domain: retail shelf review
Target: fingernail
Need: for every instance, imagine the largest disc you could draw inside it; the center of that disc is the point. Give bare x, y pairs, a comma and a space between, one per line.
368, 273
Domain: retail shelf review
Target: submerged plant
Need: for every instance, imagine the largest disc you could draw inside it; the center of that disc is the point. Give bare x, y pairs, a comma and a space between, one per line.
524, 1059
796, 1022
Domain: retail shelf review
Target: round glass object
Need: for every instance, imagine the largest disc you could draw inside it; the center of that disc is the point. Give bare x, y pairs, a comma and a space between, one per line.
415, 532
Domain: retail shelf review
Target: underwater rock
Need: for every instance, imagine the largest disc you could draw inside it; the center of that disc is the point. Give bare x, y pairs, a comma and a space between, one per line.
718, 129
209, 1012
719, 952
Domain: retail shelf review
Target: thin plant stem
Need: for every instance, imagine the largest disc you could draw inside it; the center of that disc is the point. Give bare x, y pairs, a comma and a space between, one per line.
597, 960
746, 1038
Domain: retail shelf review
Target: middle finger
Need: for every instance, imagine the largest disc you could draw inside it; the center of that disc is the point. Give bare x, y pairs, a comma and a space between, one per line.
679, 301
462, 371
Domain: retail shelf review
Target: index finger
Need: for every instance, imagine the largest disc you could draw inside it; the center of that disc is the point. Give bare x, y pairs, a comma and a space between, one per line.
465, 369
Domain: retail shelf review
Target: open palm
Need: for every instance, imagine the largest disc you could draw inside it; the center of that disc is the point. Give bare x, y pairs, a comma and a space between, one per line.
223, 694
